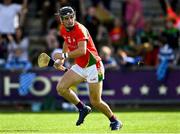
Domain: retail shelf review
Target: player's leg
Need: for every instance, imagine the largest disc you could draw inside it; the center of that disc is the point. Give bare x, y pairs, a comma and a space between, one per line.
95, 90
63, 87
95, 76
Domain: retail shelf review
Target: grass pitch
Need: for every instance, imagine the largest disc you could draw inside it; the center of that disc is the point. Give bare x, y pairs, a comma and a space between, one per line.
139, 122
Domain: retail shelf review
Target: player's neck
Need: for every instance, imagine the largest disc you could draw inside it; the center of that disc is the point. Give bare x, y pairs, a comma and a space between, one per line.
69, 29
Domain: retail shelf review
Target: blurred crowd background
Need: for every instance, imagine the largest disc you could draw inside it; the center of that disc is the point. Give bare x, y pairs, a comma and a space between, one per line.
123, 31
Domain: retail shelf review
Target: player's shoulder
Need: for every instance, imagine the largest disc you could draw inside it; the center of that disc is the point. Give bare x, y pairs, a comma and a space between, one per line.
79, 26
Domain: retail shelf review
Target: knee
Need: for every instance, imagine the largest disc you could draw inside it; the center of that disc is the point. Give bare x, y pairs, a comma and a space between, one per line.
61, 89
95, 103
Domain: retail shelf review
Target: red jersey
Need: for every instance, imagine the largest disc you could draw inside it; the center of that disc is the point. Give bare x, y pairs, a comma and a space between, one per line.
80, 33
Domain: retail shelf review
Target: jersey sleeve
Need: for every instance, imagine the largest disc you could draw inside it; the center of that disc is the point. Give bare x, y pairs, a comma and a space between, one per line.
61, 31
81, 33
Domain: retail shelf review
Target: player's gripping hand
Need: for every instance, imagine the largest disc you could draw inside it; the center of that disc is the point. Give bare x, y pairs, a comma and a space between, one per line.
44, 61
57, 56
58, 64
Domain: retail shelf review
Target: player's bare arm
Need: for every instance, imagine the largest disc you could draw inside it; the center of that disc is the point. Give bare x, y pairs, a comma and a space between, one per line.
81, 50
58, 61
64, 50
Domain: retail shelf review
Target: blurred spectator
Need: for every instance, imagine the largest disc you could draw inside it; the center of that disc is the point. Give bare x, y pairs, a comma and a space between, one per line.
8, 14
134, 15
9, 21
108, 59
48, 10
102, 37
166, 57
130, 49
106, 3
52, 40
149, 40
172, 34
172, 3
126, 60
104, 15
129, 43
116, 34
18, 52
53, 29
165, 51
92, 23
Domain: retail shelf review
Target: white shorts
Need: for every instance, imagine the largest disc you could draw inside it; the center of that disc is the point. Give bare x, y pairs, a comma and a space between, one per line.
92, 74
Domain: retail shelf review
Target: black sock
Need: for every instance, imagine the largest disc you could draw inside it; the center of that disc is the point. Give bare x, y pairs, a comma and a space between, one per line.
112, 118
80, 105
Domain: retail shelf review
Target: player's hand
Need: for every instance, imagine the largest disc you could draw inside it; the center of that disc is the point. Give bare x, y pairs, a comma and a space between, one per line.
58, 64
58, 56
61, 68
